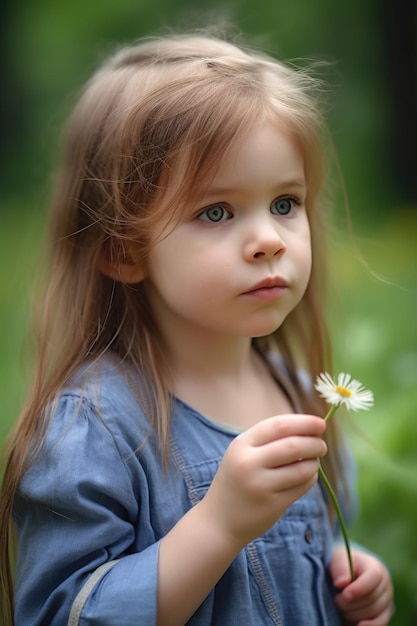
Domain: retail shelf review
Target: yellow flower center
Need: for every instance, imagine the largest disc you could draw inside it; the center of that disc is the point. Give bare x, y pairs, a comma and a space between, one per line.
342, 391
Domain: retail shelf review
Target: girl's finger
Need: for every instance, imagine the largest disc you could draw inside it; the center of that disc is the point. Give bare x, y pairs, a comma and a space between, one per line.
293, 450
282, 426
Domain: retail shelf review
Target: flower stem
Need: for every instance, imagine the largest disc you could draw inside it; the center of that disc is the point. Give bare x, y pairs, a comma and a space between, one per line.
338, 513
331, 412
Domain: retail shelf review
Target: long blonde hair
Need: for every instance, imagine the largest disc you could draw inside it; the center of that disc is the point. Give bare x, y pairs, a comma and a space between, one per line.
150, 126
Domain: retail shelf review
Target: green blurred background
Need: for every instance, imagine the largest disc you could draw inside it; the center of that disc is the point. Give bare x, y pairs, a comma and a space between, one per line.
50, 48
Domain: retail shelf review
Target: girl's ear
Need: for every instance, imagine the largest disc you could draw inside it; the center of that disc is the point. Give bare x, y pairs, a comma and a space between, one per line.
120, 267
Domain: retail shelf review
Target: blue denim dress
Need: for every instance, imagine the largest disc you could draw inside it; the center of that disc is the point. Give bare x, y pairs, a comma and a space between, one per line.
91, 511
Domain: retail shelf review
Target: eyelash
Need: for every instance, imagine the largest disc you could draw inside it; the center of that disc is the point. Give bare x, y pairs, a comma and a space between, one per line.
295, 202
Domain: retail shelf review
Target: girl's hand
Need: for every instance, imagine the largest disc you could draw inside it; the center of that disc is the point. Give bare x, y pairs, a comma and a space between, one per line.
264, 470
368, 601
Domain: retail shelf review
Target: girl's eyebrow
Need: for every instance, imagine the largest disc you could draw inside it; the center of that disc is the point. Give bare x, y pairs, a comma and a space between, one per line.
299, 183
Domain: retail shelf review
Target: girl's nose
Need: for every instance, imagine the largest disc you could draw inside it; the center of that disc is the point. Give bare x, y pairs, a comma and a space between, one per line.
264, 242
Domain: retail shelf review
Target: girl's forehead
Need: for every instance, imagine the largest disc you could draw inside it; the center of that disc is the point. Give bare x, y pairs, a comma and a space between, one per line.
268, 150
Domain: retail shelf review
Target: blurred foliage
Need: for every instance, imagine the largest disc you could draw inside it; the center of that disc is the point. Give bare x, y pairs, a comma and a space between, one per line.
373, 312
49, 49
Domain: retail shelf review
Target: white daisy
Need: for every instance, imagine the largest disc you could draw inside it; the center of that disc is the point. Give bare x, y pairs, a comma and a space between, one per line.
345, 391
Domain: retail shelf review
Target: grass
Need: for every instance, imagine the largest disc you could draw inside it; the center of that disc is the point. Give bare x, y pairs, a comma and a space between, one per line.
376, 342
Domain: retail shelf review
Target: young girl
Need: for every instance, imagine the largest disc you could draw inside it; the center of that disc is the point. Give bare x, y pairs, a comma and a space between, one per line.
164, 470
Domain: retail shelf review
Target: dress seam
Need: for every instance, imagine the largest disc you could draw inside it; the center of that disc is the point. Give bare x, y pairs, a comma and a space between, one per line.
263, 584
85, 591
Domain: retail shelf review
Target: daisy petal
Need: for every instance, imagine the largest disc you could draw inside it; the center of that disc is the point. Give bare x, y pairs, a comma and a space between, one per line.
347, 391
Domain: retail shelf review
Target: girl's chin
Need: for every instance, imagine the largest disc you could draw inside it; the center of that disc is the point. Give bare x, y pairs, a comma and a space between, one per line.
263, 330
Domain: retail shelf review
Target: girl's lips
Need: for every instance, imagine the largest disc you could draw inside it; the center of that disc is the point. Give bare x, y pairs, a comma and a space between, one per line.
268, 288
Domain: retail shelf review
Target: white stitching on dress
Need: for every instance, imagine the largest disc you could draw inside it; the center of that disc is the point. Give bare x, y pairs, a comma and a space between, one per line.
271, 607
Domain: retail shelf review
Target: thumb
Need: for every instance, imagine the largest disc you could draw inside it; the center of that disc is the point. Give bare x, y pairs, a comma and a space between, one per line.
339, 568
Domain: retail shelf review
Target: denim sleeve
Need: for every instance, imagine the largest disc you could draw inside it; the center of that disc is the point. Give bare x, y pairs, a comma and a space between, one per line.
79, 507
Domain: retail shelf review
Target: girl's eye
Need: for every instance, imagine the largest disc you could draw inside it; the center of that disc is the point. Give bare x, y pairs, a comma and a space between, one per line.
214, 214
282, 206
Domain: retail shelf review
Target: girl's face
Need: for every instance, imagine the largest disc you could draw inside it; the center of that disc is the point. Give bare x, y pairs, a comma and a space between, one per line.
240, 263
